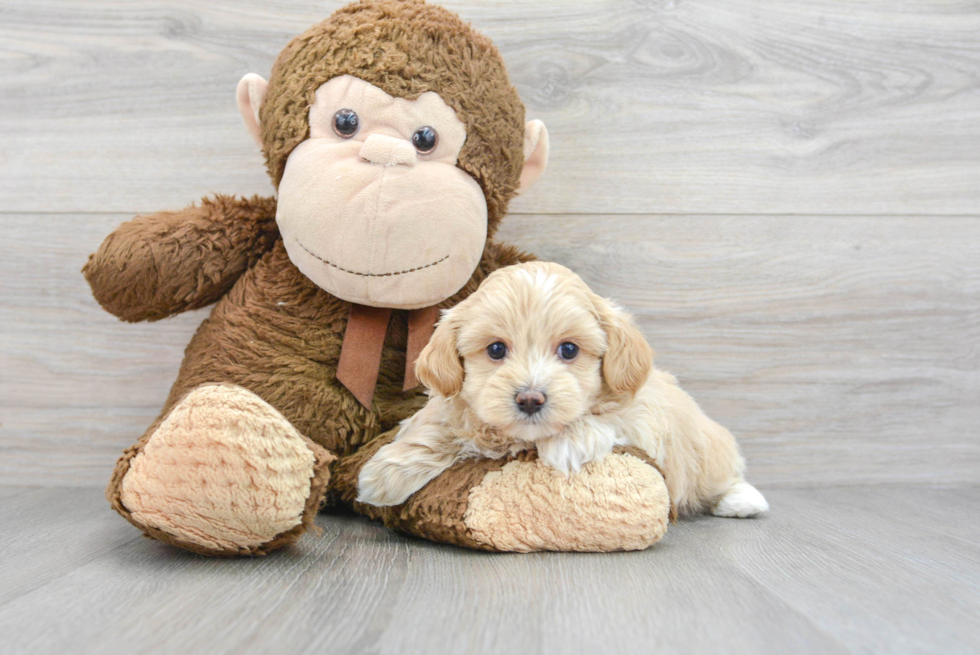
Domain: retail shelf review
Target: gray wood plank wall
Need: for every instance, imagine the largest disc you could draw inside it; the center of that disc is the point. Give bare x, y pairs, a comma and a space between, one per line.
787, 194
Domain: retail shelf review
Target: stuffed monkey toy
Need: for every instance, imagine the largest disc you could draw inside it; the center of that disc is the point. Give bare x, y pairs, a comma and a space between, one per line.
395, 142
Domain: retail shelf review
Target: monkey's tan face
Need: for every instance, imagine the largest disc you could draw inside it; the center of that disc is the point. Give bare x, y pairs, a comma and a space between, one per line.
372, 207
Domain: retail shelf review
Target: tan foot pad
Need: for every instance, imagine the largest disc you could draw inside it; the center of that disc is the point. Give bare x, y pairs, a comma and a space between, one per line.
619, 503
224, 471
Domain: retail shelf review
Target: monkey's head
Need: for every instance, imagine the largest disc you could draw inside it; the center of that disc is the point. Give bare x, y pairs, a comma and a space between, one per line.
395, 140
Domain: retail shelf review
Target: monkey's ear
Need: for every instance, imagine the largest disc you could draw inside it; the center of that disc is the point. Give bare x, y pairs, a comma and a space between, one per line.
249, 96
438, 365
535, 154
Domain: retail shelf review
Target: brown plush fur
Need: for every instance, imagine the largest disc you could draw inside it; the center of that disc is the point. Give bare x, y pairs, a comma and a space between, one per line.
273, 331
159, 265
404, 48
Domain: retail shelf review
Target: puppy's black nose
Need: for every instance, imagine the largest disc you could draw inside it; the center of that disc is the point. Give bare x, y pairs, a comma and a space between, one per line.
530, 401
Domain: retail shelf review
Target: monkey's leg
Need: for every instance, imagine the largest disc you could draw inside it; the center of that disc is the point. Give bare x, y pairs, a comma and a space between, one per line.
521, 504
223, 474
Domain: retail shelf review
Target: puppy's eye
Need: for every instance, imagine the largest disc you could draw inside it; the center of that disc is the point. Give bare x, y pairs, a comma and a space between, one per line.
346, 123
568, 351
497, 350
425, 139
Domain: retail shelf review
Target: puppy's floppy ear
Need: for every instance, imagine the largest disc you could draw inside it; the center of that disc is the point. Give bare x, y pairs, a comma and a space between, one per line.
438, 365
629, 358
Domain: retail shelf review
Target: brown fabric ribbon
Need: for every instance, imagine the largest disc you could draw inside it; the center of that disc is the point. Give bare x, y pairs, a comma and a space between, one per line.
360, 354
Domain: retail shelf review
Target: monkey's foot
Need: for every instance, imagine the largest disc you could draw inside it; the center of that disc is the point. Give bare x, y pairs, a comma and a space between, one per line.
522, 505
223, 474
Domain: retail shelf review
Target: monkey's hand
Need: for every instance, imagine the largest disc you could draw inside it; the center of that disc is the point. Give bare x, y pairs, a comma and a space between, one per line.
519, 503
162, 264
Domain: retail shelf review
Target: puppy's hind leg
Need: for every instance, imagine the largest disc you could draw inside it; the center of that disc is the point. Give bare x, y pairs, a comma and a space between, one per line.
742, 501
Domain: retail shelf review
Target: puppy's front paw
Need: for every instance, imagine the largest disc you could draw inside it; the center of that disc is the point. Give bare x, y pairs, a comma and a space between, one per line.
583, 441
741, 501
404, 466
375, 484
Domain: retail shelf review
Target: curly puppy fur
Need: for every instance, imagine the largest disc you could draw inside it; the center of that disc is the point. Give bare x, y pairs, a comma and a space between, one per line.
605, 394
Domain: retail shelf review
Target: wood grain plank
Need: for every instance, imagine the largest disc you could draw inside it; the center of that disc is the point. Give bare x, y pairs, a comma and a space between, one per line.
703, 106
47, 533
843, 557
7, 492
167, 600
830, 570
838, 350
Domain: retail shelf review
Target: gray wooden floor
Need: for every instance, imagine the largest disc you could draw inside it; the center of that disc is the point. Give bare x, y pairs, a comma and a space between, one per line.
882, 569
785, 193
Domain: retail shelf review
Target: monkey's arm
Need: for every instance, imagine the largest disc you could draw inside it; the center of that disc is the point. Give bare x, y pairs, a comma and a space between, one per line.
162, 264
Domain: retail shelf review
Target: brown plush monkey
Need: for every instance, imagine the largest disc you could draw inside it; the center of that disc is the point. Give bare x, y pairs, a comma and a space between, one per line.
395, 141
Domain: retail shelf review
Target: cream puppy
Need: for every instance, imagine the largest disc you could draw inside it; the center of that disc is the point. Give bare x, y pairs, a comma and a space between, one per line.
534, 359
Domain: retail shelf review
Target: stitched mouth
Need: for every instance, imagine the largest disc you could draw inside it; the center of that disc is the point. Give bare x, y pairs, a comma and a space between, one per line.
390, 274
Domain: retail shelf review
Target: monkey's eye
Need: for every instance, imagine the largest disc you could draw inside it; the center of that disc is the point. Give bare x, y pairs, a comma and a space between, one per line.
568, 351
345, 123
425, 139
497, 350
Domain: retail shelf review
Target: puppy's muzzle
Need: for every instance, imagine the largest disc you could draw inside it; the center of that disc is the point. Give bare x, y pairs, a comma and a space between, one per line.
530, 401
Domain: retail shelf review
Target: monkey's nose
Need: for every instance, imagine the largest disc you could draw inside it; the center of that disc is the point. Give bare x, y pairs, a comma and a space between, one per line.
530, 401
388, 151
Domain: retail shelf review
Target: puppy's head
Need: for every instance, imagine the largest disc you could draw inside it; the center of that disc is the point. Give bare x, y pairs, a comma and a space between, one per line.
531, 350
